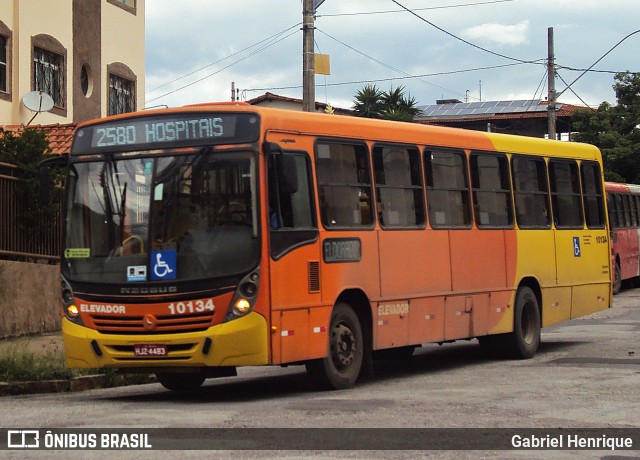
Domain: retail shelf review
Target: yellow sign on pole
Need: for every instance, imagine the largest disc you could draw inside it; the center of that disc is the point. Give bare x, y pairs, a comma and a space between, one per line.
322, 64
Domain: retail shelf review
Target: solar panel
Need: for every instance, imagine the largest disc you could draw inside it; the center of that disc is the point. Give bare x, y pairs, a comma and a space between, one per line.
461, 109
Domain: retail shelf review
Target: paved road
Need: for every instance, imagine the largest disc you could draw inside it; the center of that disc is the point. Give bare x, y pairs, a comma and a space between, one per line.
586, 374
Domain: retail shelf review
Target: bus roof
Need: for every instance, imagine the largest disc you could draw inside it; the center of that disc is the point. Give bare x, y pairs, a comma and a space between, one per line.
341, 126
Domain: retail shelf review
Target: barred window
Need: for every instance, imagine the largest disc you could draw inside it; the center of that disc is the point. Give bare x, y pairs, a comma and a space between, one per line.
121, 95
48, 74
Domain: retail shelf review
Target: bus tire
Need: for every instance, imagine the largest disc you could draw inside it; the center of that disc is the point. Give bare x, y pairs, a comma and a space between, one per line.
180, 381
341, 367
525, 338
617, 278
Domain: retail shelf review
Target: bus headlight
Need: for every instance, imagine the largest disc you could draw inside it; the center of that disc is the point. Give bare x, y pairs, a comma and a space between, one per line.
72, 311
245, 297
69, 307
242, 306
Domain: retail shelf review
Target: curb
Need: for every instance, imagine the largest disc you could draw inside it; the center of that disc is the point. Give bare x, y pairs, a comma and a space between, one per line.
81, 383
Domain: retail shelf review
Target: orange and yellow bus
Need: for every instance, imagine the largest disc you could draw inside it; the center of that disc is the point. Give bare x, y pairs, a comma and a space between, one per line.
624, 219
204, 238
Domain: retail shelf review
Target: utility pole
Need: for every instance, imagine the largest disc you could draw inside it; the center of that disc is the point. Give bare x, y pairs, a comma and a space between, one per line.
551, 99
308, 67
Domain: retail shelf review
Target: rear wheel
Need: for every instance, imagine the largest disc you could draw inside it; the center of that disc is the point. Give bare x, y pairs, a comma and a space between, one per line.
617, 278
524, 341
525, 338
341, 368
180, 381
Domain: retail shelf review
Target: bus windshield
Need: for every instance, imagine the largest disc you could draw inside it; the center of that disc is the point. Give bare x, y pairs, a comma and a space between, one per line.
139, 219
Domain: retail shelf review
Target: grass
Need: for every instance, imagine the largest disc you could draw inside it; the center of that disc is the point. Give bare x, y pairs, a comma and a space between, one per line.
18, 364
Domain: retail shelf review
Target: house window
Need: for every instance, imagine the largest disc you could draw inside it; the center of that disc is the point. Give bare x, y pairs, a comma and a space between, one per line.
3, 63
121, 95
128, 5
48, 74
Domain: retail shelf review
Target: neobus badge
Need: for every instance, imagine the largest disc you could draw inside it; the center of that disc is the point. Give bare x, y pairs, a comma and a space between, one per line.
342, 250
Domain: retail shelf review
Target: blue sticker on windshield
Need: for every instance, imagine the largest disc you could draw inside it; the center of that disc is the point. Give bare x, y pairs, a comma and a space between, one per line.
163, 265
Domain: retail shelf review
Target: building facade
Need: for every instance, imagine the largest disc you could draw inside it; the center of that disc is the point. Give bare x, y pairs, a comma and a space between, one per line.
87, 55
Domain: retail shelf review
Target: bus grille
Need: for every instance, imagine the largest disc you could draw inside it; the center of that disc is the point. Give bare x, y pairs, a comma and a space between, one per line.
164, 324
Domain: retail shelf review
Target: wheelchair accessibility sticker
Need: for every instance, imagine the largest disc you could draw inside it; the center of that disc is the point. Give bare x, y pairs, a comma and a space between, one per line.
576, 246
163, 265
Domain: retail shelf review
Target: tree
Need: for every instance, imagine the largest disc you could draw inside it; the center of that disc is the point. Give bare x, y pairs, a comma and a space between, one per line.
615, 130
368, 102
394, 104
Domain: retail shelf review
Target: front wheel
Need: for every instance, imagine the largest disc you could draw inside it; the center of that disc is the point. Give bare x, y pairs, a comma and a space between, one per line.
341, 368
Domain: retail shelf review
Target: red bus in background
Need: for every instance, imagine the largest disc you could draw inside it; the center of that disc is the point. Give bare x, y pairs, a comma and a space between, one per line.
624, 217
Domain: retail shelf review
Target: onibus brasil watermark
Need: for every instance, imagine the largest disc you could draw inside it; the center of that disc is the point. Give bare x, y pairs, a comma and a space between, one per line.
325, 439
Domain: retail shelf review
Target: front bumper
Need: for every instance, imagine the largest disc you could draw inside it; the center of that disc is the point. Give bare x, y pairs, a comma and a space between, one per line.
241, 342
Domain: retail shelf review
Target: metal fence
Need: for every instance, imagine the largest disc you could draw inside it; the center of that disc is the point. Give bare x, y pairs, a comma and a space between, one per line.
15, 243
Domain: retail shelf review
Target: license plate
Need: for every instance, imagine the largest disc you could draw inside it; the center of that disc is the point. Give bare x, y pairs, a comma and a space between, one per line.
151, 350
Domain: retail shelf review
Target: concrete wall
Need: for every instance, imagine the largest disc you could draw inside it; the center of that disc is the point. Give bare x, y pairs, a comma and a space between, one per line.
29, 298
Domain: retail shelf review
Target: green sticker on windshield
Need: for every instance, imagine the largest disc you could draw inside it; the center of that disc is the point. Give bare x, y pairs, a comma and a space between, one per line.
77, 253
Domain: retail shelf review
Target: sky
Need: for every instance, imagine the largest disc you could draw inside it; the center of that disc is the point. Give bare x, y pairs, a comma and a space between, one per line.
470, 50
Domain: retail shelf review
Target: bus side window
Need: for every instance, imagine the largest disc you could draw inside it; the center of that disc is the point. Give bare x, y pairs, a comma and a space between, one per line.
398, 187
447, 189
290, 204
531, 192
344, 184
491, 190
565, 194
291, 214
592, 194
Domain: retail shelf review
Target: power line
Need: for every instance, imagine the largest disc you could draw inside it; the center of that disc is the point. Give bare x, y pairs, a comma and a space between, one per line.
377, 80
600, 59
415, 9
463, 40
571, 89
223, 68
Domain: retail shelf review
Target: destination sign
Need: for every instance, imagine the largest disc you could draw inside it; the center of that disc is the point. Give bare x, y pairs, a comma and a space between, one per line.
341, 250
166, 131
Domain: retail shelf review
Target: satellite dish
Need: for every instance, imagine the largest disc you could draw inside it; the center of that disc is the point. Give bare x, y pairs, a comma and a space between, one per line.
38, 101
